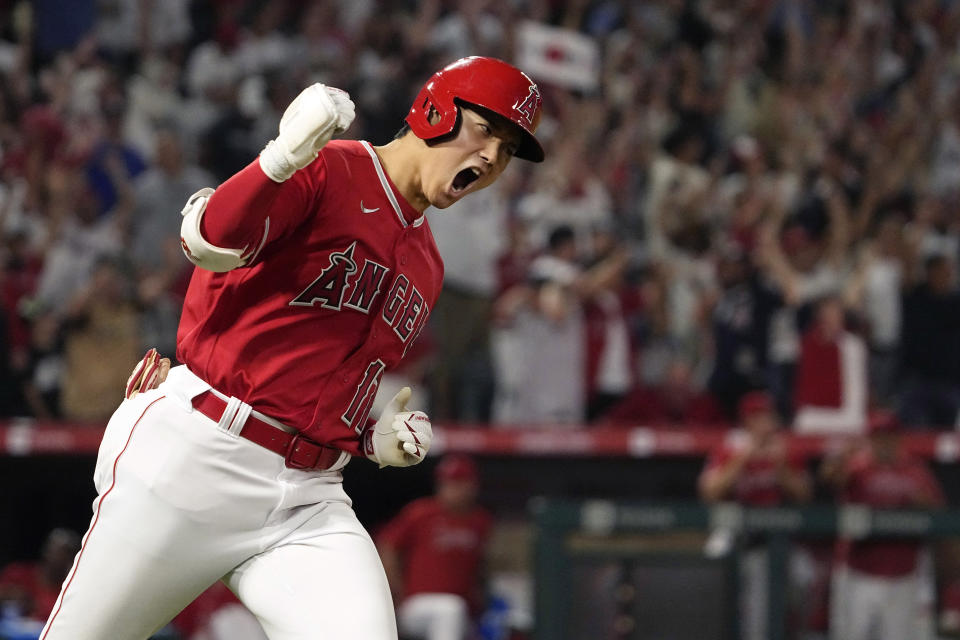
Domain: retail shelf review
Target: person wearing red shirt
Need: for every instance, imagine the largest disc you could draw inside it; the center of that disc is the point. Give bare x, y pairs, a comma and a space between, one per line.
878, 583
217, 614
316, 272
675, 402
831, 388
755, 469
433, 554
949, 618
33, 587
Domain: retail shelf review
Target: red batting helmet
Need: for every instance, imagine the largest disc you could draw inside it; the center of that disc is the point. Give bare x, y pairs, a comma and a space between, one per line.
485, 82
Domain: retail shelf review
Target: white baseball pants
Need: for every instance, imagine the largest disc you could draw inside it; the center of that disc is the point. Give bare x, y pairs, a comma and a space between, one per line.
866, 607
434, 616
232, 622
183, 502
754, 592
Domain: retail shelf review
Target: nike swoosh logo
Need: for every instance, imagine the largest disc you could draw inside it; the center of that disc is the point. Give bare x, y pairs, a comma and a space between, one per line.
365, 210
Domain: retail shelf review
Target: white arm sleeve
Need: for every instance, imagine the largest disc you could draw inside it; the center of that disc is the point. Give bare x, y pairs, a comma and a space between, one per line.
196, 248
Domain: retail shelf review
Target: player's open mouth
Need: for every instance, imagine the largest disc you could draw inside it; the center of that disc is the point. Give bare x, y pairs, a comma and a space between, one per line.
464, 179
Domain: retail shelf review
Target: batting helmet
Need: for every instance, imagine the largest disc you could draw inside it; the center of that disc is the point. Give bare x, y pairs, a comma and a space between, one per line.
483, 82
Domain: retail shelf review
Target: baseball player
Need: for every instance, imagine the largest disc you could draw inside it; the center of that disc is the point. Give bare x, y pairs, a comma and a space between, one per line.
317, 270
433, 555
216, 614
756, 470
29, 589
877, 589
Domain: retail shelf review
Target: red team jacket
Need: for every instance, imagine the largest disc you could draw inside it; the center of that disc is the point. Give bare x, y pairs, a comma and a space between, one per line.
442, 551
885, 486
343, 277
26, 579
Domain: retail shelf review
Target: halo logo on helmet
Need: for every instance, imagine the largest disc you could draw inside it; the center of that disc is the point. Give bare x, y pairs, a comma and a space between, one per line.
487, 83
530, 104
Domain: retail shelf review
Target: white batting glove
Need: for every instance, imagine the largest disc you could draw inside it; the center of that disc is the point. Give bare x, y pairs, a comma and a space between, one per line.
147, 375
400, 438
307, 125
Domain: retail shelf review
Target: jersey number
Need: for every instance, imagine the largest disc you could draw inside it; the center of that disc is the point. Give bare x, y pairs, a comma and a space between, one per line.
356, 414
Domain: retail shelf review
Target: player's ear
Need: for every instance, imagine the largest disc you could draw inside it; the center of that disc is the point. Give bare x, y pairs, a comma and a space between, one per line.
434, 116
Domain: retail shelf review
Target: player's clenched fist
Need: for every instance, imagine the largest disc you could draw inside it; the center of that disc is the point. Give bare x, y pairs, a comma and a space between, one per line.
307, 125
400, 438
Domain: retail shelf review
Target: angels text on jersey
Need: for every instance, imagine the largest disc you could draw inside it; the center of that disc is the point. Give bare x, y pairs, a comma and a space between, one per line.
344, 284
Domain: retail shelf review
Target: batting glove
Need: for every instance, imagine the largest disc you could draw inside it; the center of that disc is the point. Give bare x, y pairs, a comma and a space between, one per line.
314, 116
400, 438
148, 374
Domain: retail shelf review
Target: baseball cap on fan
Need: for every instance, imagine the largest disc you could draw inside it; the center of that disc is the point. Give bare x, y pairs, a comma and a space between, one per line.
457, 467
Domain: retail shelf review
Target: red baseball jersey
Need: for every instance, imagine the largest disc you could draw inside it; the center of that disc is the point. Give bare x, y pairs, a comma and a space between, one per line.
886, 485
197, 615
27, 578
442, 551
757, 485
342, 277
950, 607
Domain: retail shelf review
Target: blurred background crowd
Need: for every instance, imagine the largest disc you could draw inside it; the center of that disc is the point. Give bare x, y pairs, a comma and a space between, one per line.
737, 196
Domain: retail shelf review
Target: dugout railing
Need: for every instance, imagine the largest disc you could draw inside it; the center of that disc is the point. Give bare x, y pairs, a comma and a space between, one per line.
569, 534
25, 437
46, 467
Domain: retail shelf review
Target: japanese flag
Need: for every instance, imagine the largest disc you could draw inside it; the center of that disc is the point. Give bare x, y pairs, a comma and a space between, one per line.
559, 56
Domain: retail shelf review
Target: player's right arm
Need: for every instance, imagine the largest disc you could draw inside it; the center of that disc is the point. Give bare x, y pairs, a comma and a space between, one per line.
225, 229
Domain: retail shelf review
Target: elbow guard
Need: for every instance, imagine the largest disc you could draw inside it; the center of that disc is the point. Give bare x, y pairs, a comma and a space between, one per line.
195, 247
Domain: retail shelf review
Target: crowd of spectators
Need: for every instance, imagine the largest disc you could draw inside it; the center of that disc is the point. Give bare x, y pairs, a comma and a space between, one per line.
757, 194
